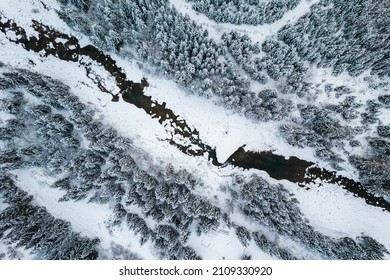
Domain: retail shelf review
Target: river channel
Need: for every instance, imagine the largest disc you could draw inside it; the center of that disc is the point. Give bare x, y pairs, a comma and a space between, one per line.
68, 48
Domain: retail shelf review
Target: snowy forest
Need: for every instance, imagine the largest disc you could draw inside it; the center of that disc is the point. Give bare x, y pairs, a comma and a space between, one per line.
151, 129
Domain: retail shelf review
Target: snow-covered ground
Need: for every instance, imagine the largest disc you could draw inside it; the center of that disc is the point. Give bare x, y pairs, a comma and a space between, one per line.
223, 244
256, 33
89, 219
335, 212
23, 11
12, 252
3, 205
217, 127
329, 209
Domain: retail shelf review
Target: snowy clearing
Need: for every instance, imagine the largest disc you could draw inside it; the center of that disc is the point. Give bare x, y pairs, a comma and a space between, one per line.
87, 218
256, 33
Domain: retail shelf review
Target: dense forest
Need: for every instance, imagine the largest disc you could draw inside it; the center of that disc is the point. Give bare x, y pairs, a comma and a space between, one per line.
46, 131
322, 81
252, 12
345, 38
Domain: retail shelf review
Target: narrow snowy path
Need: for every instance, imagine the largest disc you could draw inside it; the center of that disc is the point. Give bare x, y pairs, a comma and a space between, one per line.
256, 33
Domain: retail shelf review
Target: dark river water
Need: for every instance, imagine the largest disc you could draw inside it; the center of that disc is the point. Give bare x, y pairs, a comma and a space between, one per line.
293, 169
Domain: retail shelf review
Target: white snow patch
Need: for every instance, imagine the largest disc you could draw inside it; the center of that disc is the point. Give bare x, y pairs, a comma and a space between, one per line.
335, 212
87, 218
218, 127
256, 33
23, 11
4, 117
3, 205
329, 209
361, 90
223, 244
11, 252
221, 128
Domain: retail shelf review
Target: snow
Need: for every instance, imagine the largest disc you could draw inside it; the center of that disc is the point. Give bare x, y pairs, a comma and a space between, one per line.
330, 209
220, 244
335, 212
221, 128
12, 252
18, 11
256, 33
4, 117
358, 84
298, 250
147, 133
3, 205
362, 93
87, 218
218, 127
